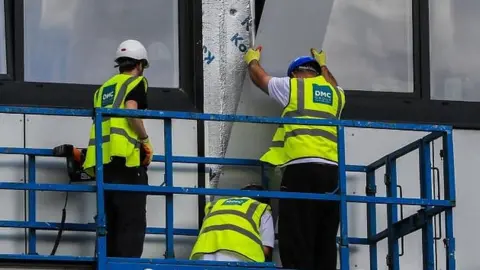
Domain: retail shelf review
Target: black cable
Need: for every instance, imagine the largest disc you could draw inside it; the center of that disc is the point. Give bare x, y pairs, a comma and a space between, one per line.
62, 225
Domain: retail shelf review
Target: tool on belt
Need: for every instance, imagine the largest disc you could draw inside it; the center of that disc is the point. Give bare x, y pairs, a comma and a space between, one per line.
75, 158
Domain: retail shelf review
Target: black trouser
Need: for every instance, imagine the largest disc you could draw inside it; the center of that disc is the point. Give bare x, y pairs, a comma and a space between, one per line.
308, 229
125, 211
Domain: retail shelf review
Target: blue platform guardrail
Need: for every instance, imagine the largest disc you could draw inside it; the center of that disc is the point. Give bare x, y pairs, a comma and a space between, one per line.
396, 229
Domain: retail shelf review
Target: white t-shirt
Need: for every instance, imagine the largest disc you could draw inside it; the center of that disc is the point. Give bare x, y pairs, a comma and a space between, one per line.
267, 233
279, 89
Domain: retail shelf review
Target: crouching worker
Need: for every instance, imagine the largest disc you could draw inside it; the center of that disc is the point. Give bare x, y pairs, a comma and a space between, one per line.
238, 229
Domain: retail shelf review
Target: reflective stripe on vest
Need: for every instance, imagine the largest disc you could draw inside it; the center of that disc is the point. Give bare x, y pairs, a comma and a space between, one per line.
118, 138
295, 141
248, 216
232, 224
117, 131
233, 228
301, 111
116, 104
121, 95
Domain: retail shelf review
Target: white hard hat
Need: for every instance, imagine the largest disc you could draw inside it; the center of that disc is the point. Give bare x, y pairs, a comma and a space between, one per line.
132, 49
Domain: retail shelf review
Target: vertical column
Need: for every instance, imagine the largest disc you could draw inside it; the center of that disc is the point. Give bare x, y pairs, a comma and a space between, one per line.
344, 247
100, 220
32, 234
393, 258
426, 193
449, 178
371, 190
265, 178
167, 129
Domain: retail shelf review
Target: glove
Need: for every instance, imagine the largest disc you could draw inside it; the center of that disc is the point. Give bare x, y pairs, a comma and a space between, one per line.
319, 56
148, 149
252, 54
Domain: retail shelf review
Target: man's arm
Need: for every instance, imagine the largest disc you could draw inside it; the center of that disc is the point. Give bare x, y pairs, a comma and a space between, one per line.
135, 123
328, 76
321, 59
258, 75
267, 232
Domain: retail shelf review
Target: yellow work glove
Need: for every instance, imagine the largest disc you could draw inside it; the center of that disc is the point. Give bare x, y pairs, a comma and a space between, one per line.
148, 150
252, 54
319, 56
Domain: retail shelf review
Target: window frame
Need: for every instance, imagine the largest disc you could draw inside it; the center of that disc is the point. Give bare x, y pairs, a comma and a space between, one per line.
414, 107
15, 91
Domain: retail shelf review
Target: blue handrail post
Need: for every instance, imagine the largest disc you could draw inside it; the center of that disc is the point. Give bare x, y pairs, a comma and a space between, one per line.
415, 222
393, 257
344, 245
371, 190
32, 234
426, 193
100, 220
449, 186
168, 141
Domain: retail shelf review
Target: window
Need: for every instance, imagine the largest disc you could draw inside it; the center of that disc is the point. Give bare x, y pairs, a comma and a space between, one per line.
455, 43
369, 44
74, 41
414, 61
60, 51
3, 51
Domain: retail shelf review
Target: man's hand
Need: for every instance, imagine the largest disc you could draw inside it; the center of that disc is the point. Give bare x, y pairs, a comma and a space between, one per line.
147, 147
252, 54
319, 56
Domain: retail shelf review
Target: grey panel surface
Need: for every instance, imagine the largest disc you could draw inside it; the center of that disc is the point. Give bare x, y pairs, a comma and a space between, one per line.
12, 170
47, 132
282, 41
289, 29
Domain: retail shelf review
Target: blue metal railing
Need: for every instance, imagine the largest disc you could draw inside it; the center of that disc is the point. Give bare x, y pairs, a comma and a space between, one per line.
395, 230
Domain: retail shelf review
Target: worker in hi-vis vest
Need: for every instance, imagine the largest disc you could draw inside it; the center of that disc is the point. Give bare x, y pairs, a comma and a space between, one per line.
238, 229
308, 157
126, 151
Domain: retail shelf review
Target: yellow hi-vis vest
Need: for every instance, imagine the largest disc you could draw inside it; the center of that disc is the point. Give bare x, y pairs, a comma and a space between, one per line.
119, 139
232, 224
310, 98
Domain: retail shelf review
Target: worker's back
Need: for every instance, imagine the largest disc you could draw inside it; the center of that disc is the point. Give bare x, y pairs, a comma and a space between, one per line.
232, 224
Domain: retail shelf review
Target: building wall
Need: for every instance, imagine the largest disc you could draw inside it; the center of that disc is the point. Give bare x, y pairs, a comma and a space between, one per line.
48, 132
343, 42
224, 33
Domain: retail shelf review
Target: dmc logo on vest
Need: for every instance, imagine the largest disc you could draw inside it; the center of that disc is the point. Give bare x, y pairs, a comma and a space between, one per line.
322, 94
108, 94
234, 202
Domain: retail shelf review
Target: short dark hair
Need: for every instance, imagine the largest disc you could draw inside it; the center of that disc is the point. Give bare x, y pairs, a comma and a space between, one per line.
259, 188
126, 64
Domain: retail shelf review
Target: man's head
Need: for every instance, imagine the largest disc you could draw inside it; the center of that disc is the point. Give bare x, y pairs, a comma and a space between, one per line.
131, 57
259, 188
304, 67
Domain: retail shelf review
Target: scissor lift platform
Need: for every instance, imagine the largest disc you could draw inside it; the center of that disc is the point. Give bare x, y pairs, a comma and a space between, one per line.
396, 229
